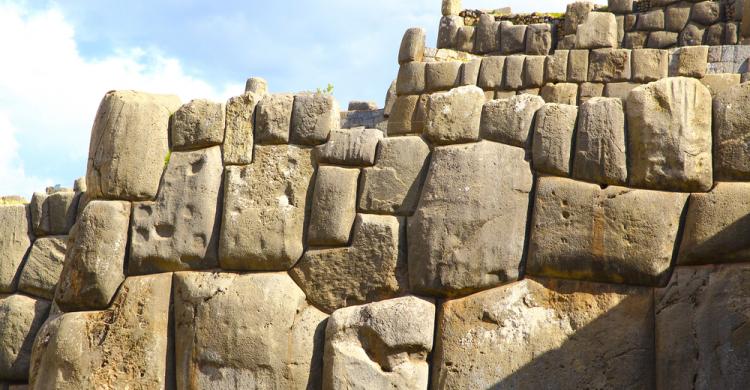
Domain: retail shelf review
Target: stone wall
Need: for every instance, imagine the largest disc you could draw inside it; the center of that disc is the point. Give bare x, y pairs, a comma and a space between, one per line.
577, 219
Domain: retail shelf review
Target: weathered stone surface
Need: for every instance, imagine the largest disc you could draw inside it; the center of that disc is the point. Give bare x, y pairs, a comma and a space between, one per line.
125, 346
256, 85
447, 31
390, 99
715, 35
129, 141
689, 62
650, 64
442, 76
706, 12
403, 119
669, 135
313, 118
465, 38
491, 72
701, 322
556, 66
600, 142
264, 210
486, 34
38, 213
651, 21
553, 138
43, 267
720, 82
540, 333
179, 230
470, 72
393, 184
198, 124
273, 119
575, 14
608, 65
468, 231
619, 90
60, 212
512, 38
561, 93
15, 240
451, 7
510, 120
620, 6
400, 330
95, 257
371, 269
567, 42
677, 16
454, 116
333, 206
533, 71
598, 30
578, 66
411, 78
268, 336
590, 90
238, 134
617, 234
351, 147
730, 123
716, 226
513, 77
691, 35
362, 105
20, 320
538, 39
659, 40
412, 46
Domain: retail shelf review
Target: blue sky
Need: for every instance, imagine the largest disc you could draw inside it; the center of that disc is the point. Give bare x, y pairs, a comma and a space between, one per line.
60, 57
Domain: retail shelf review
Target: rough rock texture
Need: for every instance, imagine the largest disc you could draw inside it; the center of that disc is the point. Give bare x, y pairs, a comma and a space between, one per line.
491, 72
578, 66
598, 30
333, 206
556, 66
273, 119
129, 141
718, 83
468, 231
669, 135
60, 212
125, 346
561, 93
371, 269
454, 116
256, 85
575, 14
43, 267
238, 136
313, 117
20, 320
512, 38
731, 139
264, 209
535, 333
510, 120
403, 118
275, 341
15, 240
198, 124
442, 76
351, 147
650, 64
95, 258
608, 65
382, 345
716, 226
600, 142
393, 184
689, 62
538, 39
179, 230
411, 78
412, 46
618, 235
553, 138
701, 328
487, 34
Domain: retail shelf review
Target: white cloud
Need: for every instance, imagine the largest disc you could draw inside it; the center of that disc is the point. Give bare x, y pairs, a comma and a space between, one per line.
49, 95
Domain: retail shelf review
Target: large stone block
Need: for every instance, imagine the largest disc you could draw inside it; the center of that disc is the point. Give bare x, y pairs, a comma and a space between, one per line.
198, 124
256, 85
125, 346
264, 210
512, 38
350, 147
731, 138
701, 328
15, 240
273, 119
95, 258
468, 230
539, 39
510, 120
20, 320
590, 90
404, 118
650, 64
449, 26
60, 209
491, 73
129, 141
393, 184
401, 330
470, 72
716, 226
600, 142
553, 138
238, 134
598, 30
540, 334
412, 46
43, 267
706, 12
578, 66
561, 93
657, 40
669, 135
442, 76
454, 116
608, 65
465, 38
333, 206
651, 21
720, 82
372, 268
411, 78
252, 331
313, 118
618, 235
513, 77
486, 38
689, 62
677, 16
556, 66
533, 71
620, 6
575, 14
179, 229
620, 90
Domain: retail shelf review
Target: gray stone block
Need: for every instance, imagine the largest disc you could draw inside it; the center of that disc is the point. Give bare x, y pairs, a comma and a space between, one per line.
600, 142
198, 124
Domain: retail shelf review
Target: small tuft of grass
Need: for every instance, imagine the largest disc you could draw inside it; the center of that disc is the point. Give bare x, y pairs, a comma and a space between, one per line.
166, 158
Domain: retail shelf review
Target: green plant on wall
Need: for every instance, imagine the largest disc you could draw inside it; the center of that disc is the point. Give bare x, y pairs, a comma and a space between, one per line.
328, 90
166, 158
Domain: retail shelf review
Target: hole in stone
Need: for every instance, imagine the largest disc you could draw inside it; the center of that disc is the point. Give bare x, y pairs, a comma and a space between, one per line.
196, 166
164, 230
566, 214
603, 186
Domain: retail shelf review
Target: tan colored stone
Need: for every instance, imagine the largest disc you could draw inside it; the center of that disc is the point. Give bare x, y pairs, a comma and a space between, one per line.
411, 78
720, 82
609, 65
689, 62
273, 119
238, 135
333, 206
256, 85
561, 93
510, 120
198, 124
313, 118
590, 90
491, 73
454, 116
20, 320
731, 151
650, 64
556, 66
15, 240
412, 46
598, 30
600, 142
578, 66
553, 138
350, 147
43, 267
442, 76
